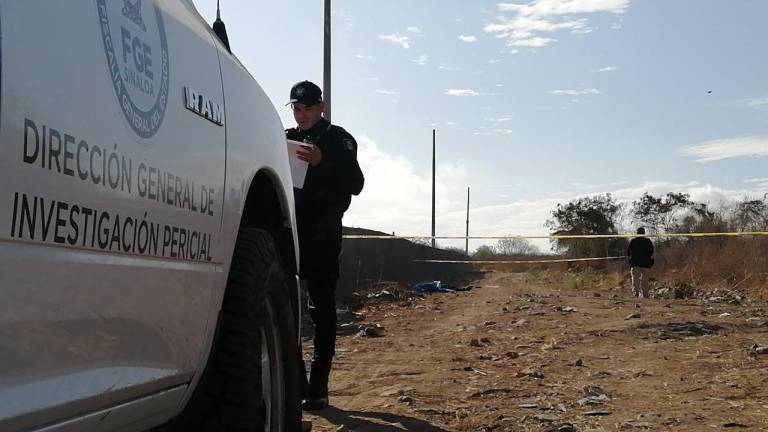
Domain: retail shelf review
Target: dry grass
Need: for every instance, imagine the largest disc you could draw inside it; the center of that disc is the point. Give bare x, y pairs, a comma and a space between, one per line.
738, 265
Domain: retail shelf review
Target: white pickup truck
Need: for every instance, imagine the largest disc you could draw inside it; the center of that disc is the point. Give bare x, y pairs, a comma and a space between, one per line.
147, 252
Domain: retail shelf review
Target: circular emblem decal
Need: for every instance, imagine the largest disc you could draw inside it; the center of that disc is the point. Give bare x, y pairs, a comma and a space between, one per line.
136, 49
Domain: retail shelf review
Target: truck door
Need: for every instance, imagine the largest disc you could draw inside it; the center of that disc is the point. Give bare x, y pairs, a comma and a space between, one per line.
112, 183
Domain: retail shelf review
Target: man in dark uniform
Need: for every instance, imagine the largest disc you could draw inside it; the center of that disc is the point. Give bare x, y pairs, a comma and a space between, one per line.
333, 176
640, 255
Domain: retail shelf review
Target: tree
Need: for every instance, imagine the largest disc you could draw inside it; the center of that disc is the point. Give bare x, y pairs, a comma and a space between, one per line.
515, 246
587, 216
484, 253
663, 214
751, 215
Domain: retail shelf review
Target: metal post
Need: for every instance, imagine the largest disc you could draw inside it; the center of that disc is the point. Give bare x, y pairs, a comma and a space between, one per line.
327, 62
433, 188
466, 244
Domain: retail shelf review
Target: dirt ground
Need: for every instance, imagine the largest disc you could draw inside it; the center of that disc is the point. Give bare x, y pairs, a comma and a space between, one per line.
517, 354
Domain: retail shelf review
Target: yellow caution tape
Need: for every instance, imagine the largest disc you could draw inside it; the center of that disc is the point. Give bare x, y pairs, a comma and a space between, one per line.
559, 237
521, 261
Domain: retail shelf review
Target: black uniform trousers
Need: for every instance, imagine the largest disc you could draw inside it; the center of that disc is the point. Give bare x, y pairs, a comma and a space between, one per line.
320, 247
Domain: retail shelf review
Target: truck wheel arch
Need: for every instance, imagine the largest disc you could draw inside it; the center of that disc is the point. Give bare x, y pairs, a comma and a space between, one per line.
266, 208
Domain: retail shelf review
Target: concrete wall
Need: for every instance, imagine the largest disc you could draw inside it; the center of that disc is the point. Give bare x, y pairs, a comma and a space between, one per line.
364, 261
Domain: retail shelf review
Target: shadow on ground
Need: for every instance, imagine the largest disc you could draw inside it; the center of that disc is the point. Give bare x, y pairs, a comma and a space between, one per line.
366, 421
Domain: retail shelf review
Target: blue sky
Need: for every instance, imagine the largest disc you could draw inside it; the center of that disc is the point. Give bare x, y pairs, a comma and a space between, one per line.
534, 103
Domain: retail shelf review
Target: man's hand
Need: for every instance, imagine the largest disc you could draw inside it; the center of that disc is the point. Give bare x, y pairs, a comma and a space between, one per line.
312, 155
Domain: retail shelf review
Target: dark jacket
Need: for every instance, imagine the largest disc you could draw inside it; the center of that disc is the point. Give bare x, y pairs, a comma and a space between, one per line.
326, 195
640, 252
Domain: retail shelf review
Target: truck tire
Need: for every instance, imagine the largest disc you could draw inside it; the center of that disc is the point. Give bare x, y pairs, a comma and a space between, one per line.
251, 382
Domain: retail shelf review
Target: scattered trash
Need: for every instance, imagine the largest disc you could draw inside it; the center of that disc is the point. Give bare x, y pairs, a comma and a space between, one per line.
475, 343
408, 400
383, 294
597, 413
521, 322
491, 391
511, 355
567, 427
632, 316
593, 390
373, 331
682, 330
577, 363
756, 350
529, 373
552, 345
430, 287
594, 400
734, 425
489, 323
547, 418
485, 340
642, 373
725, 314
528, 406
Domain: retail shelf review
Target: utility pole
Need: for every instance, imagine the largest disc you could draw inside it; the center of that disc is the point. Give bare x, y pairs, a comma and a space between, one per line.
466, 244
327, 62
433, 188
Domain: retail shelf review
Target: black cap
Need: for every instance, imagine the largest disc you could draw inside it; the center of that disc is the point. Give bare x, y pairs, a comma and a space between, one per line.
306, 92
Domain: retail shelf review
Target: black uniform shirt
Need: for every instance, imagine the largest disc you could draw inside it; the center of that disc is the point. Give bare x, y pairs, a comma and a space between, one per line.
338, 176
326, 195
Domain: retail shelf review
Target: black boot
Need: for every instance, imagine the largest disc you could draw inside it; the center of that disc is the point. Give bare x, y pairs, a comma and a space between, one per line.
317, 398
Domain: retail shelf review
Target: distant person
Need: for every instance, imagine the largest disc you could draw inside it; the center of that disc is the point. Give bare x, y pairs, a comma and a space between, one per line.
640, 256
332, 178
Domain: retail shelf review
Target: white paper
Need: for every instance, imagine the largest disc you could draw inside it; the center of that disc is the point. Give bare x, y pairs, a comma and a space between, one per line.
298, 166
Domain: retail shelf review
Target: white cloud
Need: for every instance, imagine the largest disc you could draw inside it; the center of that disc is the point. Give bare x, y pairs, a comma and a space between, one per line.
494, 61
530, 23
414, 30
757, 180
499, 119
461, 92
446, 67
364, 56
403, 41
387, 92
421, 60
607, 69
727, 148
397, 194
584, 92
565, 7
468, 38
758, 103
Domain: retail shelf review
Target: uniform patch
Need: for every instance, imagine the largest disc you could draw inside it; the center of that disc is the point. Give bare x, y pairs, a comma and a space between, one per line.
349, 144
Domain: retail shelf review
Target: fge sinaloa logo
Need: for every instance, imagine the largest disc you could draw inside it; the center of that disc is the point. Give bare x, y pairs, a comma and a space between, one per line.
136, 48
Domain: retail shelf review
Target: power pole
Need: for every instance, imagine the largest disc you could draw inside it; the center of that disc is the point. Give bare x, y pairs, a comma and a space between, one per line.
466, 244
433, 188
327, 62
